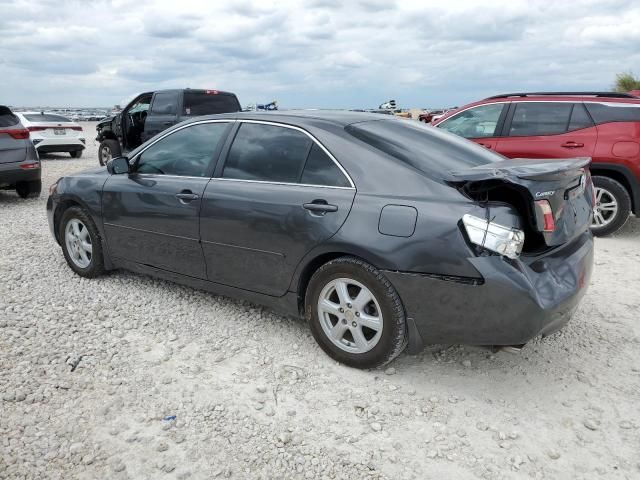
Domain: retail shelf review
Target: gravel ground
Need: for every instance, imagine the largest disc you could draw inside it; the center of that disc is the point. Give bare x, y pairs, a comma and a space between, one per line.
130, 377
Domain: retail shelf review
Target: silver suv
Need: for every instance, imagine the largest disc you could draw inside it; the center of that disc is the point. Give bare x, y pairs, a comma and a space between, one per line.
19, 162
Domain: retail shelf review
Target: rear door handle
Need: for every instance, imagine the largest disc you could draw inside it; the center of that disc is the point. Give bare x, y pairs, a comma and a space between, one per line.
572, 144
187, 196
320, 207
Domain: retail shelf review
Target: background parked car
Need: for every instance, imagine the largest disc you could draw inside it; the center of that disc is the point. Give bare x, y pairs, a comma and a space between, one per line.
152, 112
602, 125
52, 133
19, 162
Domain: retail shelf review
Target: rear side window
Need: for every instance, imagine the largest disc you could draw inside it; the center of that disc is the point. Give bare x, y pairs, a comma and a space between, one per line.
579, 118
164, 104
267, 153
532, 118
209, 103
7, 118
614, 112
45, 117
321, 170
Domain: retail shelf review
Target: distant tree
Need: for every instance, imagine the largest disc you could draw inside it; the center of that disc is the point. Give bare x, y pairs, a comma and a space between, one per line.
626, 82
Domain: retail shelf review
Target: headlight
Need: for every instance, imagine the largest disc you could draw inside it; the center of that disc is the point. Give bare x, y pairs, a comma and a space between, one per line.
493, 236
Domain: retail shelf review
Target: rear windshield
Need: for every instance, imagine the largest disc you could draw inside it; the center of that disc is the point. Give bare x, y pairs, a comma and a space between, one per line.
427, 149
45, 117
203, 103
7, 119
614, 112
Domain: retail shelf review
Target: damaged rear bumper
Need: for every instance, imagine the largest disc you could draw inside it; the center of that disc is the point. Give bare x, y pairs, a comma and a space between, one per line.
513, 302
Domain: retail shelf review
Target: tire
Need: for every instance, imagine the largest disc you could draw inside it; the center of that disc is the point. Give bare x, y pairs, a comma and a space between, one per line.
107, 150
29, 189
76, 154
72, 251
608, 193
375, 347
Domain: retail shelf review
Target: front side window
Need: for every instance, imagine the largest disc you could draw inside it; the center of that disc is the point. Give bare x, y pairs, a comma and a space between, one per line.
267, 153
477, 122
186, 152
540, 118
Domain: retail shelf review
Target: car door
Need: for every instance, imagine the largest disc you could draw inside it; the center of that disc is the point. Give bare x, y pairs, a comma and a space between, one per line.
151, 216
278, 194
481, 124
548, 130
163, 113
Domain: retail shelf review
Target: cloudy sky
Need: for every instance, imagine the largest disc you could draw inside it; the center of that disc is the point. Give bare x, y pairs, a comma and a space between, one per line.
314, 53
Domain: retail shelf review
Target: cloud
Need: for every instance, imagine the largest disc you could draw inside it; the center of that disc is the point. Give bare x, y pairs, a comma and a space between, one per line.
321, 53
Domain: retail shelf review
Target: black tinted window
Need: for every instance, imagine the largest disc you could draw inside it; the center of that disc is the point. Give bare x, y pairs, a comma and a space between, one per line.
427, 149
268, 153
531, 118
321, 170
614, 112
164, 103
579, 118
208, 103
187, 152
45, 117
7, 118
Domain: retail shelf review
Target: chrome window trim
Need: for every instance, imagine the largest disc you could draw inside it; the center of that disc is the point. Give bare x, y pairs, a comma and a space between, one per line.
133, 160
280, 183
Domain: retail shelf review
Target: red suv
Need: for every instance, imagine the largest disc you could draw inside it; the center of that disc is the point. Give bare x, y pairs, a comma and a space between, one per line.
604, 126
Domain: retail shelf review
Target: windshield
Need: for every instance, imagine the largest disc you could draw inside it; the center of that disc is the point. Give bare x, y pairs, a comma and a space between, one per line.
425, 148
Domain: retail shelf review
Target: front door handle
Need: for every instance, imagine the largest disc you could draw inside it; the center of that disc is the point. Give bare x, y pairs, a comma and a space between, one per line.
572, 144
320, 207
187, 196
485, 145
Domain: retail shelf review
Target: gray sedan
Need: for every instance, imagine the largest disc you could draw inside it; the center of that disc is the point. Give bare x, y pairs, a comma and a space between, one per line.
382, 232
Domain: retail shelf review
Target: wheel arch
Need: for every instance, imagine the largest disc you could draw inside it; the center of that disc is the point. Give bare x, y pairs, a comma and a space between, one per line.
623, 176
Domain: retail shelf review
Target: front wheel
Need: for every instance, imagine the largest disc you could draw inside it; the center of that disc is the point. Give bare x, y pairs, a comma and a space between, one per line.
355, 314
612, 208
107, 150
81, 243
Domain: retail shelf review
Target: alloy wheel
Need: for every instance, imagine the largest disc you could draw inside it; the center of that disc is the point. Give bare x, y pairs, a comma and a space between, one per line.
350, 315
605, 209
78, 243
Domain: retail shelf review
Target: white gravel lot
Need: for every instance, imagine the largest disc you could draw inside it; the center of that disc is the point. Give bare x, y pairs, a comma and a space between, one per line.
130, 377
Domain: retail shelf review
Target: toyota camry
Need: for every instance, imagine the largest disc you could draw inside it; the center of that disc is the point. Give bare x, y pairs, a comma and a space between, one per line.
383, 233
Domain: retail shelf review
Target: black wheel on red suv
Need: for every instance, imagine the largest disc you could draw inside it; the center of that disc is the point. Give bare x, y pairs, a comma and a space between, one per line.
612, 208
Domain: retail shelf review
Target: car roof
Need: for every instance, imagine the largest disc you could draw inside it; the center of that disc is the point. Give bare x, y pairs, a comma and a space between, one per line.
337, 117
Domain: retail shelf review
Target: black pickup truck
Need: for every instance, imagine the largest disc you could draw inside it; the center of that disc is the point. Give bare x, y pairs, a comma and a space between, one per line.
152, 112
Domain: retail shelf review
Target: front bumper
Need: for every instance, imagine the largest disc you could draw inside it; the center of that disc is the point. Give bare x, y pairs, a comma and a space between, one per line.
516, 301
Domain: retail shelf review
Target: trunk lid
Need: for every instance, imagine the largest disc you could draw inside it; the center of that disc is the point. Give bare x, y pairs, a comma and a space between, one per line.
527, 184
12, 149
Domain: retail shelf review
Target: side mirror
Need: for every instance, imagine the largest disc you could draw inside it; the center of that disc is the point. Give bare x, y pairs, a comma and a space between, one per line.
118, 165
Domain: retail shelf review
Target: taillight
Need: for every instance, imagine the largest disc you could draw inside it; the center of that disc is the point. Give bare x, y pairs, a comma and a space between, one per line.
498, 238
17, 133
78, 128
29, 166
549, 223
37, 129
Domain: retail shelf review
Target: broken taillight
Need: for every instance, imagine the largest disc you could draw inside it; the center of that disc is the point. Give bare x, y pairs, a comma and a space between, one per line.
544, 207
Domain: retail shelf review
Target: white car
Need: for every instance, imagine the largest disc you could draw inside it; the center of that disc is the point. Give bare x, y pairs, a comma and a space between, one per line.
53, 133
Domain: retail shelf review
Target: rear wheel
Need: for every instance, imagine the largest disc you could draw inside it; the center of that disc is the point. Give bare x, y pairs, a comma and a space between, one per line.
107, 150
355, 314
29, 189
76, 154
81, 243
612, 208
